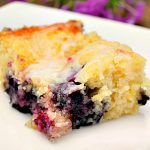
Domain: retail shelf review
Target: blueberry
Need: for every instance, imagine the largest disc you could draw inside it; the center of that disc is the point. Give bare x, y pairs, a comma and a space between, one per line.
22, 100
29, 96
12, 83
78, 104
24, 109
144, 99
76, 97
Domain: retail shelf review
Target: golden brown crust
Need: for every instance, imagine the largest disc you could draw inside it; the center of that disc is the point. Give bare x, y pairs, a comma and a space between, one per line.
72, 26
26, 45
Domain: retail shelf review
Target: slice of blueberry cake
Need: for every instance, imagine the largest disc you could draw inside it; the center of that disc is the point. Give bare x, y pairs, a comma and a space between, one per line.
67, 79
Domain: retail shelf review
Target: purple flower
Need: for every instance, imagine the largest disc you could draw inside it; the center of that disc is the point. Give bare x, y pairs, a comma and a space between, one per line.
18, 0
134, 13
129, 11
139, 11
91, 7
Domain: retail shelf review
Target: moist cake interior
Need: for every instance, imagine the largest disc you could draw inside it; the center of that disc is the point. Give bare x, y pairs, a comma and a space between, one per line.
67, 79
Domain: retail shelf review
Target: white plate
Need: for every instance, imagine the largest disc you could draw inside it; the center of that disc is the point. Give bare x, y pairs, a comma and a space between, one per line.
126, 133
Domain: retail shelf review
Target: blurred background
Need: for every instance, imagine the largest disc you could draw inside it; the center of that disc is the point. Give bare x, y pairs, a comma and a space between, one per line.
128, 11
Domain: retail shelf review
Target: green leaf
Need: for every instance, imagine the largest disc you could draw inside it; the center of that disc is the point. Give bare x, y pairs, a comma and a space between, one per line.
62, 2
113, 3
